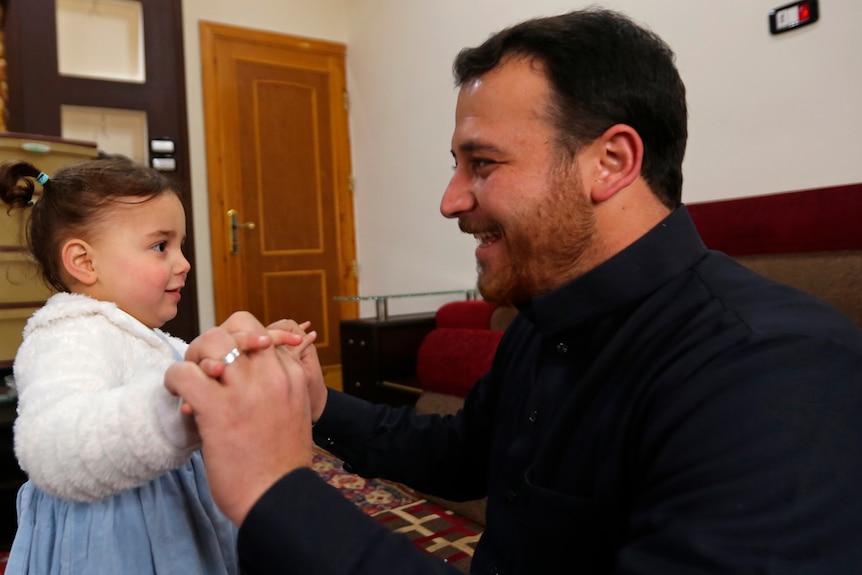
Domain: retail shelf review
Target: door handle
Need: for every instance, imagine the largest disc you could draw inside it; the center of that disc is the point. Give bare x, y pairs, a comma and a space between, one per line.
234, 225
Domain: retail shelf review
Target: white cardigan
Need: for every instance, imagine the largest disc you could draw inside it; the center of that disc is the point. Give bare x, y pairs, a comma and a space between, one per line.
94, 417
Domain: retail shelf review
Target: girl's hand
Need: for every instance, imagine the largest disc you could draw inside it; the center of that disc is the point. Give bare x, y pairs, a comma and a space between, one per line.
293, 338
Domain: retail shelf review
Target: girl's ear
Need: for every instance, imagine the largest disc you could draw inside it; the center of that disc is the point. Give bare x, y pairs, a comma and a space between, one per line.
620, 156
77, 257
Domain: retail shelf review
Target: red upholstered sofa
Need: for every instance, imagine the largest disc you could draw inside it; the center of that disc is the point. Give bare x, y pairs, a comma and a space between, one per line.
809, 239
458, 351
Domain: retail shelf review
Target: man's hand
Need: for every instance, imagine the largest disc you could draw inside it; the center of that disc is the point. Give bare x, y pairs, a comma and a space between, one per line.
255, 419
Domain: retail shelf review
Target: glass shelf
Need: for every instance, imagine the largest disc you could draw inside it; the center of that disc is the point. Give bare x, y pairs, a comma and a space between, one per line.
382, 301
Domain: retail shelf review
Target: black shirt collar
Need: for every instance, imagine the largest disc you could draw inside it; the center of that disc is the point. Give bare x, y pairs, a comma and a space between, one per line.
663, 253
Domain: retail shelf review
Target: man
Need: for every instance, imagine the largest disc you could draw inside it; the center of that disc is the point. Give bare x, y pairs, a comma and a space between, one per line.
654, 408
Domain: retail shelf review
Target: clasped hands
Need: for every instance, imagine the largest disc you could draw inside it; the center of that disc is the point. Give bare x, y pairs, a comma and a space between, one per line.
253, 413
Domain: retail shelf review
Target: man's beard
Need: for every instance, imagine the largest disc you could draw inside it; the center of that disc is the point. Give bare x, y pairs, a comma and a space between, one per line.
546, 250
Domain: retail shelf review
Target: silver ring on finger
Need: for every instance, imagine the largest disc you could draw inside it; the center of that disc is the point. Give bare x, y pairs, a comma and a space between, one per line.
231, 356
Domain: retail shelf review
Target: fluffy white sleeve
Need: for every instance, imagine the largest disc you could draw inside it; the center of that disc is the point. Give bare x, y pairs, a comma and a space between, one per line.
88, 421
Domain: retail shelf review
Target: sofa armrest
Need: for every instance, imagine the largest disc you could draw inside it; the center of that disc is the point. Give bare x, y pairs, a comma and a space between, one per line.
450, 360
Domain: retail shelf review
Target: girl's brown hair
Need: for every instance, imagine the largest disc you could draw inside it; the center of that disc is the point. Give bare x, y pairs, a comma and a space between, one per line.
72, 202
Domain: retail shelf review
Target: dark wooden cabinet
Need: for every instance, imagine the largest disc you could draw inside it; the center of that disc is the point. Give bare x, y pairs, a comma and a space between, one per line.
11, 476
378, 357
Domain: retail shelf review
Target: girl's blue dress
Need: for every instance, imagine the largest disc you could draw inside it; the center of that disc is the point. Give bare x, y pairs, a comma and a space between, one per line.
168, 526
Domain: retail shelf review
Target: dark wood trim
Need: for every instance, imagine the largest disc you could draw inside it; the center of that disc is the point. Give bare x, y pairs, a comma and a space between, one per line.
165, 71
31, 67
22, 305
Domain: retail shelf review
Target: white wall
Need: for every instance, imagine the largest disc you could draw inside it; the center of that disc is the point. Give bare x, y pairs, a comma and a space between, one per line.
767, 113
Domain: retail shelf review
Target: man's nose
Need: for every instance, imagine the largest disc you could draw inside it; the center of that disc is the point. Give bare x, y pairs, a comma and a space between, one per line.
458, 197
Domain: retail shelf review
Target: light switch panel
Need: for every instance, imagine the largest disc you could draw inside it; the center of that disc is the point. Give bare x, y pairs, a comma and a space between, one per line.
792, 16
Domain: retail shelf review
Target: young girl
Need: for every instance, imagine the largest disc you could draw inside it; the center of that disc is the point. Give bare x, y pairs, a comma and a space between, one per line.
116, 483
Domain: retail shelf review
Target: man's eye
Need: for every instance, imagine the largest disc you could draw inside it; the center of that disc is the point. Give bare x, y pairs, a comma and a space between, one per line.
476, 164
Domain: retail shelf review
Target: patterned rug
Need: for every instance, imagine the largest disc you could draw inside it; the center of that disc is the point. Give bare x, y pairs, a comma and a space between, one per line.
431, 527
371, 495
435, 530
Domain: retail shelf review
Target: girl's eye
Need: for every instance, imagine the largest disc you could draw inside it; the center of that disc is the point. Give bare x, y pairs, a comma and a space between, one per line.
161, 246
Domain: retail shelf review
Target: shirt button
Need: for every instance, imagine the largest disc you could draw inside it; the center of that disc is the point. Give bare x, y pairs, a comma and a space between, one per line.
562, 348
534, 416
511, 496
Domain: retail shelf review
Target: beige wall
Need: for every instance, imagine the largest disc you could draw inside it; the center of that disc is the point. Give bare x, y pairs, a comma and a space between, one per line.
767, 113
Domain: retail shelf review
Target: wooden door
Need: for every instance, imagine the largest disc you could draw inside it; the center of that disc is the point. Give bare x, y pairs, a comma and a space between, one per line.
281, 212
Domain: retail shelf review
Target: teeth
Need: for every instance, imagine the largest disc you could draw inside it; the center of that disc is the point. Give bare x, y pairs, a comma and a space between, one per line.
484, 238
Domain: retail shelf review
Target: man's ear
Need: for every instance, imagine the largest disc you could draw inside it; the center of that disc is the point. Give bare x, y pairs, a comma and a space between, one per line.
620, 152
77, 257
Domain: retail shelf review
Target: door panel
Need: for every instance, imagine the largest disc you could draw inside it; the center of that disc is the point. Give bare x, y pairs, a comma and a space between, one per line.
287, 183
278, 155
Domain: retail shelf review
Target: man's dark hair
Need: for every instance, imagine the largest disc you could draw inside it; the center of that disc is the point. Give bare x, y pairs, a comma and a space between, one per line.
604, 70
